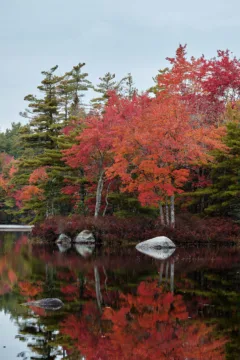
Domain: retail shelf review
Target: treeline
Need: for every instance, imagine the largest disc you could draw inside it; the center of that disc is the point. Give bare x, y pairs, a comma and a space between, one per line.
126, 153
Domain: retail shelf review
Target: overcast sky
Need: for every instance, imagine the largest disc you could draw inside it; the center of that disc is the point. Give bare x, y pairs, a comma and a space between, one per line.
117, 36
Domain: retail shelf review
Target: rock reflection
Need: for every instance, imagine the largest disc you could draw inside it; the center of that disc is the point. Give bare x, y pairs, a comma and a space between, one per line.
84, 250
157, 253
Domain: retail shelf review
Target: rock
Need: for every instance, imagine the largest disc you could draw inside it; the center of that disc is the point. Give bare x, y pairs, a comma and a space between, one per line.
47, 304
63, 247
84, 250
85, 237
159, 247
63, 239
157, 242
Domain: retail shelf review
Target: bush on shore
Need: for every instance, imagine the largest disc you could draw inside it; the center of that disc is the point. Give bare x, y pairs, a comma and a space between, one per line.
113, 230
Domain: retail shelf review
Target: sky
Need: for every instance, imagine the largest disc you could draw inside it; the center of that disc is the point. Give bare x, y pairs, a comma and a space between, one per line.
108, 35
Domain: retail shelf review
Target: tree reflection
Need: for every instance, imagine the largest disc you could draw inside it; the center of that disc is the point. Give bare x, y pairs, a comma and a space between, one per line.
184, 307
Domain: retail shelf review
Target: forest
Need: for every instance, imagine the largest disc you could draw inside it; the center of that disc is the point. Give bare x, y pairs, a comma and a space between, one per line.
169, 155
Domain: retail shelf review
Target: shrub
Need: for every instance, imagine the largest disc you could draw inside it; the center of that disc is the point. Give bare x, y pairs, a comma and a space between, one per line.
113, 229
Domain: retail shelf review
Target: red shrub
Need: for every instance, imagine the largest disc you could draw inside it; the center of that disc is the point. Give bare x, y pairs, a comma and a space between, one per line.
112, 229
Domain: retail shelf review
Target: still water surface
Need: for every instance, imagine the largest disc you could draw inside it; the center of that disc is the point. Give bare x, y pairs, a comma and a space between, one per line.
118, 303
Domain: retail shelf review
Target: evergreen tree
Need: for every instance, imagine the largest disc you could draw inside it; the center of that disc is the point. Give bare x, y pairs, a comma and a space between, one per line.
73, 87
40, 140
225, 189
9, 140
108, 83
71, 92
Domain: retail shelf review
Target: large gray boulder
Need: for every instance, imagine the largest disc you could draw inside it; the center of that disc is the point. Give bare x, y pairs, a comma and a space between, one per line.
85, 236
159, 247
64, 239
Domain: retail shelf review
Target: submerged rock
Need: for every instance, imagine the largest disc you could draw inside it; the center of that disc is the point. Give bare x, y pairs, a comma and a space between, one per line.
85, 236
47, 304
63, 239
84, 250
159, 247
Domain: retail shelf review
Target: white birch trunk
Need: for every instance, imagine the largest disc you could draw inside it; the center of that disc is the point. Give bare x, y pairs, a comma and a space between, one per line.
172, 212
161, 214
99, 194
167, 212
106, 199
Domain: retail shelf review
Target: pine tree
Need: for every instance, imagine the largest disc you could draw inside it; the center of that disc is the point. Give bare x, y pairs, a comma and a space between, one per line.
73, 88
225, 189
108, 83
71, 92
40, 140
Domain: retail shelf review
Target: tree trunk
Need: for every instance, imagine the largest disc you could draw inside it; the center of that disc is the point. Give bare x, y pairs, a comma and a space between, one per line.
161, 214
106, 199
99, 194
167, 212
172, 212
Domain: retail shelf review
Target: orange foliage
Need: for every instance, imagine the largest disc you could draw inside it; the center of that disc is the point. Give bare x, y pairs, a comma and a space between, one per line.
155, 147
28, 289
149, 325
27, 193
38, 175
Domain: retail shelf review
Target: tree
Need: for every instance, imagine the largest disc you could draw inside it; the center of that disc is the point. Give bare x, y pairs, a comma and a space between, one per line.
92, 153
224, 193
205, 85
10, 142
94, 150
154, 147
71, 91
40, 139
108, 84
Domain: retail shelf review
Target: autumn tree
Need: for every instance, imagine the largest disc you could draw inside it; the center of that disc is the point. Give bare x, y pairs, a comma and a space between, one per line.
92, 153
206, 85
155, 147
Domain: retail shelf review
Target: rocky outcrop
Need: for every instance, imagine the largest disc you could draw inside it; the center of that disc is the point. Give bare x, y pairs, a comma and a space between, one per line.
84, 236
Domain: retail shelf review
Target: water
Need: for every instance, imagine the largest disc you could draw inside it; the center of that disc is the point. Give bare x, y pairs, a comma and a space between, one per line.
118, 303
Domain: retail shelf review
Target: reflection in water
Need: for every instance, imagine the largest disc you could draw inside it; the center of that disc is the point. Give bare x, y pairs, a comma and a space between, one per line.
157, 253
119, 304
84, 250
64, 247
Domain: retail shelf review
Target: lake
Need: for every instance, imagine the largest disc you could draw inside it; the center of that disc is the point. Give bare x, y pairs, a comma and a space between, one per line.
118, 303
